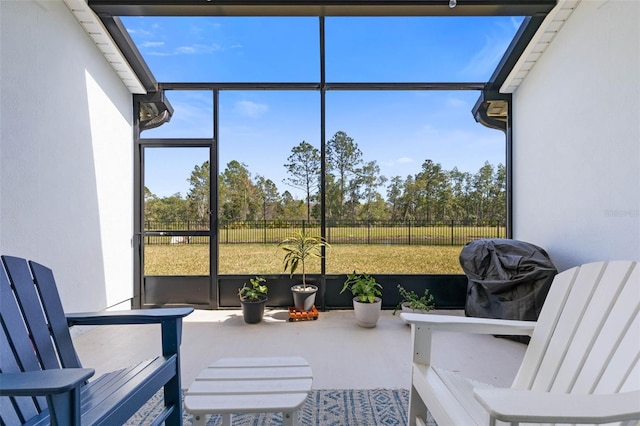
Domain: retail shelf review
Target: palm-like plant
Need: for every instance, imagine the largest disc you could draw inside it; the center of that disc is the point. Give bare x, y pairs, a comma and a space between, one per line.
298, 248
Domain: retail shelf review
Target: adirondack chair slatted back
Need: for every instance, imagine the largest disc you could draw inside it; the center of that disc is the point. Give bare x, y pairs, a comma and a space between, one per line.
587, 336
17, 355
11, 408
25, 292
36, 335
48, 291
43, 313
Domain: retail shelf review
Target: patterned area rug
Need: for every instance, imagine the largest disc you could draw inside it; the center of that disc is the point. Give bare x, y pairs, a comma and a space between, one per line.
359, 407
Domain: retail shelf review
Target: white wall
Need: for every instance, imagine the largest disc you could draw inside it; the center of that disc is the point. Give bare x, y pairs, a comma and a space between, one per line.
65, 155
577, 139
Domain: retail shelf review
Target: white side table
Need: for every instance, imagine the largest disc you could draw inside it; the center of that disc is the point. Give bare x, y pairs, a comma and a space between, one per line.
250, 385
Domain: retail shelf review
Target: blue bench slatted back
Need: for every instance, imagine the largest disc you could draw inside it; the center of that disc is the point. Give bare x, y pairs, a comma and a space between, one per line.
35, 332
35, 336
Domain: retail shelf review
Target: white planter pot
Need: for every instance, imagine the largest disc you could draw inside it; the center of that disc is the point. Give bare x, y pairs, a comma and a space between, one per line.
367, 314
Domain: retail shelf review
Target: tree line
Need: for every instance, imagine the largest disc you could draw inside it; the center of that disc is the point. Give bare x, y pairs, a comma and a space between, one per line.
354, 188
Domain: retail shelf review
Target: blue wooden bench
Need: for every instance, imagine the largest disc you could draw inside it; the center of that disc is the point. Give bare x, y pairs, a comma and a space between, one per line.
41, 379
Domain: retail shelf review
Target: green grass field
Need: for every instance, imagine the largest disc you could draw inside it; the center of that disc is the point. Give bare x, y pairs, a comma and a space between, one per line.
192, 259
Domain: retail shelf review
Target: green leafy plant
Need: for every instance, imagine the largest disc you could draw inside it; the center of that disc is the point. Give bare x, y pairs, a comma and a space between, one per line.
298, 248
362, 286
415, 302
256, 292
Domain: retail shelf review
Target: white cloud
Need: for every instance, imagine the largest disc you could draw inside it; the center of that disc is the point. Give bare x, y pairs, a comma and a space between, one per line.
183, 50
496, 41
250, 109
188, 50
485, 61
199, 48
392, 165
457, 102
140, 32
146, 44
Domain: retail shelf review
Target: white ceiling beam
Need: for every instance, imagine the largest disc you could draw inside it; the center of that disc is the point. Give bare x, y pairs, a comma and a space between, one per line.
538, 44
103, 41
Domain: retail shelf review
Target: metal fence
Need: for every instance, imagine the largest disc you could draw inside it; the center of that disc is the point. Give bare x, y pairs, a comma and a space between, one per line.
455, 233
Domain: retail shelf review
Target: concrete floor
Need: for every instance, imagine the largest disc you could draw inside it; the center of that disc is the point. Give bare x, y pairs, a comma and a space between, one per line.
342, 355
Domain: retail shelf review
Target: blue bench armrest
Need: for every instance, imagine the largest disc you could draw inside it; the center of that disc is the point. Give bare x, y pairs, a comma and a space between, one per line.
169, 318
43, 382
135, 316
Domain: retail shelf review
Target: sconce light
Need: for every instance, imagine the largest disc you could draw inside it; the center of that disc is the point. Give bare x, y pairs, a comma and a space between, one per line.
453, 3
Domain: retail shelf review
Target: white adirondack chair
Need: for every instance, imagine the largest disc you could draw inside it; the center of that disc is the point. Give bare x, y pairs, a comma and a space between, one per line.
582, 364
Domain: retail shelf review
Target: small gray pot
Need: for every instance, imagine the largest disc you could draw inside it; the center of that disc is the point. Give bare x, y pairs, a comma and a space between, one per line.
303, 300
253, 312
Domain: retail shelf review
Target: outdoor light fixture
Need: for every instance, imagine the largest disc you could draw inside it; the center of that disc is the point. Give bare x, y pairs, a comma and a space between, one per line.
453, 3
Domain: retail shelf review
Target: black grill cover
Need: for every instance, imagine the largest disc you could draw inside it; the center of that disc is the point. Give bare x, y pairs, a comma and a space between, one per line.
508, 279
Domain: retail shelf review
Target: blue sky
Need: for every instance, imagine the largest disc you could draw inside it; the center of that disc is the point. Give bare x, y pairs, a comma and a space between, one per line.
399, 130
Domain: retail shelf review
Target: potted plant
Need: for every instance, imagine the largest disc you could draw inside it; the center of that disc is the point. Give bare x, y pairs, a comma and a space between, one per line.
253, 299
367, 302
413, 303
298, 249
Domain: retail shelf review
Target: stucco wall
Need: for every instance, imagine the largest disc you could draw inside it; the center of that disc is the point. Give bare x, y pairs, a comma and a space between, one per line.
577, 139
65, 155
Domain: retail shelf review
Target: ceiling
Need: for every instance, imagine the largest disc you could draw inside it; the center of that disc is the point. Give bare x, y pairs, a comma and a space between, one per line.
322, 7
99, 20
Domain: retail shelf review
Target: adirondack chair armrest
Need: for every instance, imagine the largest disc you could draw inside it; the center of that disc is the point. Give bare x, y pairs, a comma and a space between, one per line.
514, 405
43, 382
169, 318
134, 316
470, 324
